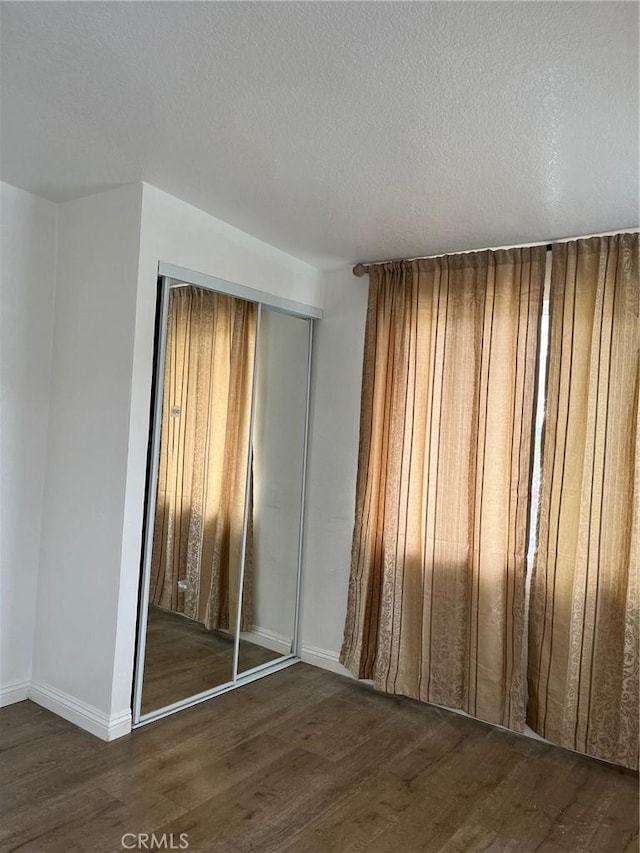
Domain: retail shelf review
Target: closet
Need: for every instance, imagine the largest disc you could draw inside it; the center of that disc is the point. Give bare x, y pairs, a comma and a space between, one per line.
220, 589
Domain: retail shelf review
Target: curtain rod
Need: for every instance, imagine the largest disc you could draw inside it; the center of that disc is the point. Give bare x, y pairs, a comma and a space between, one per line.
363, 268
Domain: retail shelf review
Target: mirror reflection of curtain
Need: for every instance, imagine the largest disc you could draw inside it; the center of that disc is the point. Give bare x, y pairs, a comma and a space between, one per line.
203, 459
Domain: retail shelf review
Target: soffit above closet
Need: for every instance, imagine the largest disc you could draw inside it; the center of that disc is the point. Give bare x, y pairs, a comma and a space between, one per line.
335, 131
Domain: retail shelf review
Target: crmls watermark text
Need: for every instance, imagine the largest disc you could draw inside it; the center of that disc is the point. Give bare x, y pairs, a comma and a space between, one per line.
153, 841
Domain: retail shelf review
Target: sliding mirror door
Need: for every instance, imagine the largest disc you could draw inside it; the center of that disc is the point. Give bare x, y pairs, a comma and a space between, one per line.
277, 474
198, 526
220, 589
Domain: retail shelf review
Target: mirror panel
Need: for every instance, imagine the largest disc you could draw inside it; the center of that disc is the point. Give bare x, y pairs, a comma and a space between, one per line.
201, 489
271, 567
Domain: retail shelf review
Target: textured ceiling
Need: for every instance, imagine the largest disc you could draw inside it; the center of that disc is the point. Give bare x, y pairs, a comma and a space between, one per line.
336, 131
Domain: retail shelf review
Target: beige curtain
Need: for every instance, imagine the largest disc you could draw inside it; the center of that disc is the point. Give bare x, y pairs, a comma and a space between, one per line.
583, 647
203, 458
436, 595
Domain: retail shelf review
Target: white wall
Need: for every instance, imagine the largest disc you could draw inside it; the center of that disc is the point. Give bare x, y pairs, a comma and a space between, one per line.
108, 250
27, 278
333, 461
178, 233
83, 516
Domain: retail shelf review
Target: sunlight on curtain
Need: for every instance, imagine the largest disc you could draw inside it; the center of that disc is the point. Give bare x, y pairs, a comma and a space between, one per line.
436, 595
584, 622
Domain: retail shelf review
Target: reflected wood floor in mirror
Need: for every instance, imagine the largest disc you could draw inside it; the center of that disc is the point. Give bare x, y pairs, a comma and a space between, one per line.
183, 658
305, 760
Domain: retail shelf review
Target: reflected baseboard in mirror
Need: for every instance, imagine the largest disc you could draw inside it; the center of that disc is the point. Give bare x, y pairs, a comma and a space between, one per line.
183, 658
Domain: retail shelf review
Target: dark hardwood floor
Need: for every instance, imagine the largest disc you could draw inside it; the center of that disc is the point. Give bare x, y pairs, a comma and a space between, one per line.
182, 658
305, 761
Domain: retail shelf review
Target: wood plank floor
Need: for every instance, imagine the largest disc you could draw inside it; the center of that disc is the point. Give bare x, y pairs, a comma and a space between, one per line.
305, 761
183, 658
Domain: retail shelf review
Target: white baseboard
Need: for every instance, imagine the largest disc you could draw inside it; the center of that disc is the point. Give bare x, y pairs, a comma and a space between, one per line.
267, 639
325, 659
12, 693
80, 714
314, 655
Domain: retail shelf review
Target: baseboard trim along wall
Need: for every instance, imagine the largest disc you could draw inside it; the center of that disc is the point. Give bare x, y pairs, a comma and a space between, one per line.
13, 693
267, 639
314, 655
110, 728
85, 716
107, 728
325, 659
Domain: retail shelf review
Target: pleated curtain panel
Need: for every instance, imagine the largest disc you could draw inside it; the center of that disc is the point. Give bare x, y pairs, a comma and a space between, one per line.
437, 603
436, 596
584, 625
204, 443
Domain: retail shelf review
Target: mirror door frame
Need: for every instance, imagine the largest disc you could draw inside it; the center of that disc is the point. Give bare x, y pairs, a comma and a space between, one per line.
168, 274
